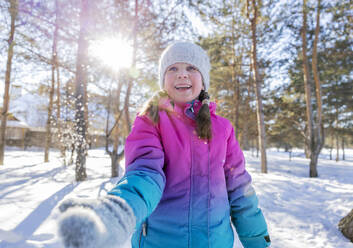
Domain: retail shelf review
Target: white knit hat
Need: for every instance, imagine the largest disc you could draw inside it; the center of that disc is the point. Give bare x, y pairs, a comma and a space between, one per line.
185, 52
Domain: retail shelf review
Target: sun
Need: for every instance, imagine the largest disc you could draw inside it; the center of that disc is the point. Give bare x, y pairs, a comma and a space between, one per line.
113, 52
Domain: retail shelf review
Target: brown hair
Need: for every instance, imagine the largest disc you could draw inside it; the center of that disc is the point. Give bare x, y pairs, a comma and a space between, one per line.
203, 118
151, 107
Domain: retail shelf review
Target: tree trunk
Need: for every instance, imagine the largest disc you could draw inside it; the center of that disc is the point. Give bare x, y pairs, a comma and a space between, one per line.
126, 106
337, 147
307, 147
58, 112
80, 89
331, 153
257, 147
237, 107
128, 92
245, 134
85, 99
257, 80
332, 143
337, 135
307, 85
52, 89
343, 154
13, 13
115, 157
50, 110
318, 134
115, 165
235, 84
107, 121
58, 88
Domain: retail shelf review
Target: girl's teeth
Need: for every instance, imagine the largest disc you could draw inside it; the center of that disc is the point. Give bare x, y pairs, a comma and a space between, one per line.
182, 87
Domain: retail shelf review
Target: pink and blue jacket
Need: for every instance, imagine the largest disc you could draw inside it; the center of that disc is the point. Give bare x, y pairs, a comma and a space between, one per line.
185, 191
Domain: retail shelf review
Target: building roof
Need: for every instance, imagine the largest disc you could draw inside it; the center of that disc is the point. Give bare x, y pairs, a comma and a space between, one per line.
16, 123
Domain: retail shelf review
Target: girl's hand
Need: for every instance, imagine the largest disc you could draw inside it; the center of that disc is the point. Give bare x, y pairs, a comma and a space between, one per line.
90, 223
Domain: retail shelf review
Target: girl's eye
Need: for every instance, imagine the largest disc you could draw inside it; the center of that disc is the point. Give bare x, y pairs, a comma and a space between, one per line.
173, 68
191, 68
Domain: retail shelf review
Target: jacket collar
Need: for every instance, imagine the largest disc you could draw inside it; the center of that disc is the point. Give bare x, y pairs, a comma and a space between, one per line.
168, 105
196, 105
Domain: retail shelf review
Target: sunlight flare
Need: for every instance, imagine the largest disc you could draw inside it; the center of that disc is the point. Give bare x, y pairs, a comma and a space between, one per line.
113, 52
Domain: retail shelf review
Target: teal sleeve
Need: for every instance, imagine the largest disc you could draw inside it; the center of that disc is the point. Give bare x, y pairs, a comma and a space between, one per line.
246, 216
249, 222
142, 190
144, 180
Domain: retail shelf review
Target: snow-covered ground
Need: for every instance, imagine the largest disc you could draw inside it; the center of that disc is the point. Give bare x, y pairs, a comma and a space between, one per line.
300, 211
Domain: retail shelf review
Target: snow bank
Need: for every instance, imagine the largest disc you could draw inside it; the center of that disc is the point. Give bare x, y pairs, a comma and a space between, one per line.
300, 211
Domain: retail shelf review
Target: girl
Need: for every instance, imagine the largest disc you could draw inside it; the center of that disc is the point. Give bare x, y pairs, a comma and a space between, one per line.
185, 179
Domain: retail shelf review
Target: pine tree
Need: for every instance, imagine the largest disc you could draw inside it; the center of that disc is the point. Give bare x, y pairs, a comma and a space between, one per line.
52, 88
13, 10
81, 92
253, 18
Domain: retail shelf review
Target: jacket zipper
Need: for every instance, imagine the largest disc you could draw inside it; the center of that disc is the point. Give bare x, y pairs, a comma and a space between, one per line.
143, 232
209, 194
191, 189
144, 229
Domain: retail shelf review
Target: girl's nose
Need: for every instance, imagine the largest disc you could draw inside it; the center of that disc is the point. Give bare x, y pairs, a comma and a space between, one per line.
182, 74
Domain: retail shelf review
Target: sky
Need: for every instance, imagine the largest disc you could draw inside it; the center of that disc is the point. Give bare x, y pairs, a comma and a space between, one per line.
300, 211
20, 75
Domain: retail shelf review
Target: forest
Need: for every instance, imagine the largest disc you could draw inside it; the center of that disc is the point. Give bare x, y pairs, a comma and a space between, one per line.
281, 71
75, 73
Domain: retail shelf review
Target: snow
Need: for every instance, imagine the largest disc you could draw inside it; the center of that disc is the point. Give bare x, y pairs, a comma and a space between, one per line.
300, 211
20, 124
30, 108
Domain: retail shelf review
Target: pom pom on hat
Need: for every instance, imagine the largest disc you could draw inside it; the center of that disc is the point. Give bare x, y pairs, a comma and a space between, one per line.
185, 52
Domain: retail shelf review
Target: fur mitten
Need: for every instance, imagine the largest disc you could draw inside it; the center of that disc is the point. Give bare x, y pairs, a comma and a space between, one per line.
90, 223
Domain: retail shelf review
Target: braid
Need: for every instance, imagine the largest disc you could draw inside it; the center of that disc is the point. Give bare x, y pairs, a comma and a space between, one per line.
203, 118
151, 107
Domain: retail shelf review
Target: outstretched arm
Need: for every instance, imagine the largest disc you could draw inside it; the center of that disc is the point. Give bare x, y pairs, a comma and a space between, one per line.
144, 180
110, 220
246, 216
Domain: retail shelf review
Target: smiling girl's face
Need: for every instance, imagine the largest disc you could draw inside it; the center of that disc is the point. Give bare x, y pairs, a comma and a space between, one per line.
183, 82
